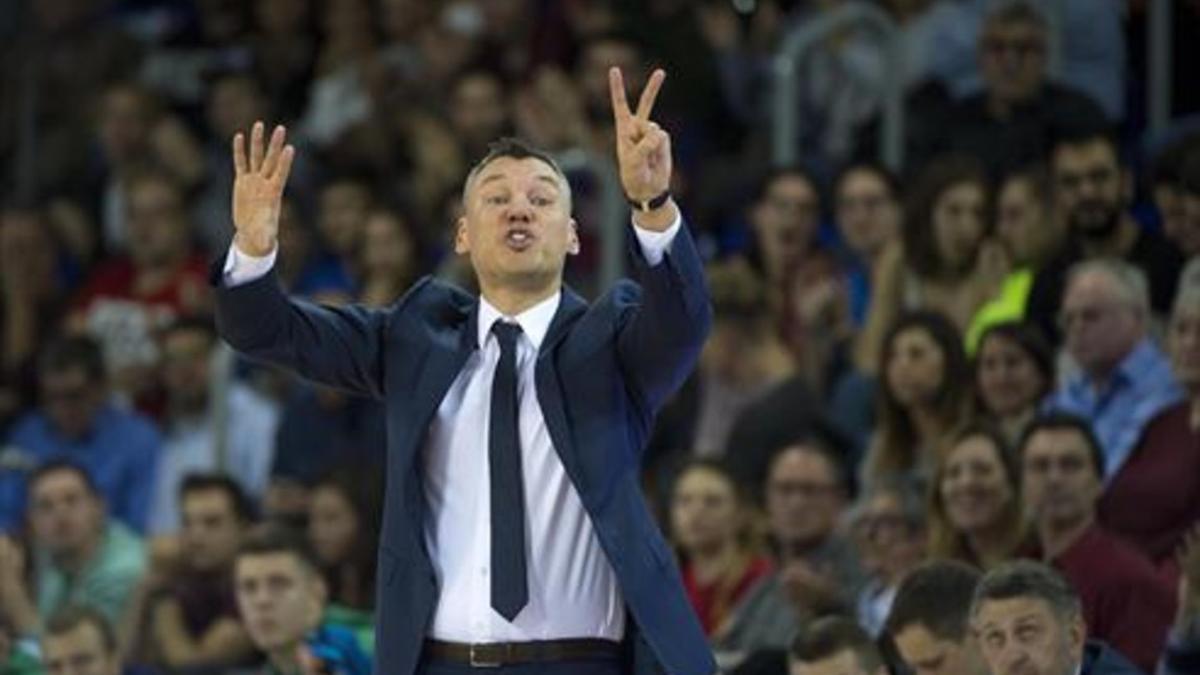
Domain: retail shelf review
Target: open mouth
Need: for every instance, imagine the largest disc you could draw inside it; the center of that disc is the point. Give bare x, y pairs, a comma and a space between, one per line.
518, 239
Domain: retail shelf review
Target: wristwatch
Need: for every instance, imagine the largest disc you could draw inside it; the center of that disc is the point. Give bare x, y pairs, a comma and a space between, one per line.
650, 204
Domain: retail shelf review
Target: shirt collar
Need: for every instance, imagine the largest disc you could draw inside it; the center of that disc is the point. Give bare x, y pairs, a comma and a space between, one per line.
534, 322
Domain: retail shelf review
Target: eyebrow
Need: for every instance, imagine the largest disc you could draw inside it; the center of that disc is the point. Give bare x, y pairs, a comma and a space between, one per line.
541, 177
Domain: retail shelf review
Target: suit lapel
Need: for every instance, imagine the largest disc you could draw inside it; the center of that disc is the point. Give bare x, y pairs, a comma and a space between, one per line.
550, 396
448, 352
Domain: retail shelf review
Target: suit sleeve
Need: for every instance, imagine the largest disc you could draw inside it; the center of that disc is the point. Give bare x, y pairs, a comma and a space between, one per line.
337, 346
660, 342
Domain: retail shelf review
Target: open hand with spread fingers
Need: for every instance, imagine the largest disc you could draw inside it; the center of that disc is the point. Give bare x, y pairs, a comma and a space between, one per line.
261, 172
643, 152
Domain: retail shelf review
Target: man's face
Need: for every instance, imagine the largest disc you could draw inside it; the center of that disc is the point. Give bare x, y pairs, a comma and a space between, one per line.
211, 530
867, 214
71, 399
65, 516
844, 662
890, 545
1059, 483
1100, 325
279, 598
517, 227
1090, 188
928, 654
158, 226
1012, 58
1022, 636
79, 651
185, 363
785, 222
479, 111
804, 497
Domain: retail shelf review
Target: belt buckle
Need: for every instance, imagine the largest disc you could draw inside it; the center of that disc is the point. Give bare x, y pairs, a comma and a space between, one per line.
478, 661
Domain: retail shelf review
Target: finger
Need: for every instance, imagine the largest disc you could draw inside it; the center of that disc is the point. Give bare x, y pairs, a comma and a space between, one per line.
239, 154
284, 167
616, 88
273, 150
650, 94
256, 146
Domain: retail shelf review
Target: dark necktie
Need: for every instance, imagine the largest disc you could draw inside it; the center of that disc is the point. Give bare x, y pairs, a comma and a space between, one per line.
509, 589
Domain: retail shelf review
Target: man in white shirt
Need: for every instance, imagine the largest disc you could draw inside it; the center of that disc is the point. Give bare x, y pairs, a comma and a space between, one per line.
515, 531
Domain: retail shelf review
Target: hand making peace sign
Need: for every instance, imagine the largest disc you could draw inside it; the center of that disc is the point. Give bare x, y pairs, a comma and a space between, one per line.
643, 148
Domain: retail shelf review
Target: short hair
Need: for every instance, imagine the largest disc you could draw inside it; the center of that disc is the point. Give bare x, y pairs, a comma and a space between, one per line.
207, 482
888, 177
1016, 11
515, 148
1036, 176
909, 494
1030, 340
273, 539
815, 443
1064, 421
1089, 129
63, 466
828, 636
935, 596
776, 174
75, 351
72, 617
1130, 279
1028, 579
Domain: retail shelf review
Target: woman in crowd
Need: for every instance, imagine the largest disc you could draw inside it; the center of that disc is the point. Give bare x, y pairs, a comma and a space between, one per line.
924, 395
1014, 370
975, 504
714, 532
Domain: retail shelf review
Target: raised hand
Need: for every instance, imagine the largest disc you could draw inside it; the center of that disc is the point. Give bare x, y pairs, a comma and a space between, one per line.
260, 175
643, 147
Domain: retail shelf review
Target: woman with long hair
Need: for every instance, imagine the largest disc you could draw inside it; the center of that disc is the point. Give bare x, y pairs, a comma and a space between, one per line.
1014, 371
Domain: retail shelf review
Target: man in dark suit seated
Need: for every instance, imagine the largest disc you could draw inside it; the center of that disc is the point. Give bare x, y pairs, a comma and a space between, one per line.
514, 528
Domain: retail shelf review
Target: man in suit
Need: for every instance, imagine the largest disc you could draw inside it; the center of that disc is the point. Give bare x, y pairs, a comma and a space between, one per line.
515, 535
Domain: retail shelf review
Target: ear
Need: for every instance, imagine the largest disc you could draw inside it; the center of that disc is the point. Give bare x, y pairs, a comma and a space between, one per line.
462, 240
1077, 634
573, 238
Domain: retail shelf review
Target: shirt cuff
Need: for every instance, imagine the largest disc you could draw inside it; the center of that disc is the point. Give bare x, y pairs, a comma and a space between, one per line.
242, 269
655, 244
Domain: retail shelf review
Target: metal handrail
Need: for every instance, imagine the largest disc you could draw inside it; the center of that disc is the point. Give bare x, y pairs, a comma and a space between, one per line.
796, 46
614, 211
1158, 60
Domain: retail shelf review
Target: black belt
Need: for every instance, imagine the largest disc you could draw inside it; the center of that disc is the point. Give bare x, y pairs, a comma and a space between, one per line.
495, 654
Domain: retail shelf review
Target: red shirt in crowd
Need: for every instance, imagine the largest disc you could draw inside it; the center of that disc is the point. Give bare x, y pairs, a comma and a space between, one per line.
714, 601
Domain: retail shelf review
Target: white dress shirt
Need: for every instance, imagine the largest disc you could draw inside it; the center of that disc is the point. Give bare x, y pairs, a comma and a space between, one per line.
573, 591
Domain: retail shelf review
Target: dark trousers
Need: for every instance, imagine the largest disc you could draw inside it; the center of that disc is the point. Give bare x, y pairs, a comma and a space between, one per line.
592, 667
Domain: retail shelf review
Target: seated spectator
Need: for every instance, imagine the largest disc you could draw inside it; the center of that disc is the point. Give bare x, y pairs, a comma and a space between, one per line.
975, 501
924, 382
867, 207
834, 646
281, 597
710, 520
1031, 235
1155, 498
1182, 655
1124, 379
784, 218
817, 571
1186, 236
345, 201
1025, 614
1093, 189
889, 527
930, 623
80, 641
390, 257
1014, 372
948, 261
18, 656
193, 621
213, 422
344, 513
1013, 121
119, 449
1175, 185
77, 555
1125, 601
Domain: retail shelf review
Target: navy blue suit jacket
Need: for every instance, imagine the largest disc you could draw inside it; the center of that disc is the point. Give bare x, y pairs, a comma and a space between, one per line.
602, 372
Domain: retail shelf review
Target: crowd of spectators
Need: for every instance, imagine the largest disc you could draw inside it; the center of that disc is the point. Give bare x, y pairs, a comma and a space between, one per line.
938, 399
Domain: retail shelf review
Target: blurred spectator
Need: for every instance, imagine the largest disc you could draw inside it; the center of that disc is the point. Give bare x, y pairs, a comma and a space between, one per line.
1155, 498
949, 261
479, 111
77, 421
1124, 379
1013, 121
18, 655
598, 53
835, 646
1031, 235
80, 641
1182, 654
1092, 193
923, 396
1125, 601
889, 526
867, 204
128, 299
930, 620
710, 520
784, 218
975, 500
284, 46
345, 513
1026, 616
817, 572
77, 555
281, 597
390, 257
193, 619
213, 422
345, 202
1014, 372
1186, 236
1168, 190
